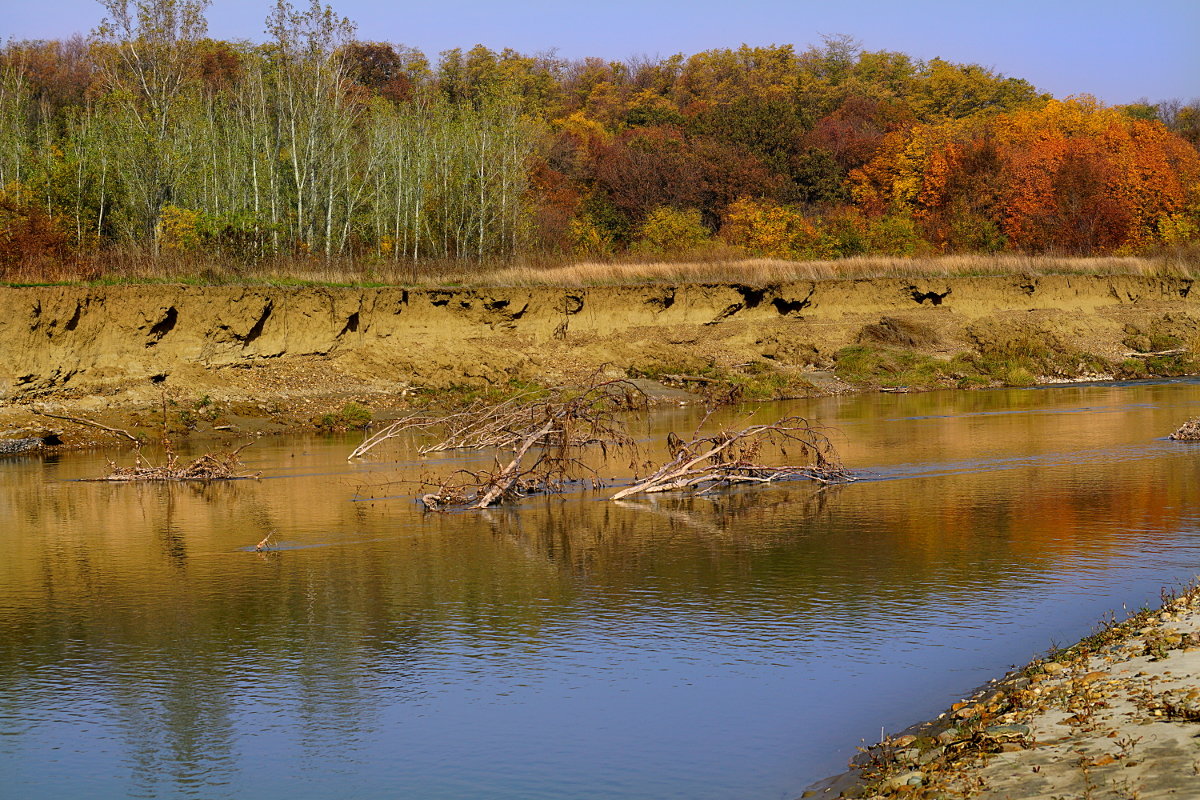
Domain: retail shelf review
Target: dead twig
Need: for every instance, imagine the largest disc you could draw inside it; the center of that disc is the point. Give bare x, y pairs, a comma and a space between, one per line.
1172, 352
89, 422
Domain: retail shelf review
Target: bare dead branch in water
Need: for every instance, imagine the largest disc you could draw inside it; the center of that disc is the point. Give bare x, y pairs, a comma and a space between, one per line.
707, 463
475, 427
545, 441
1187, 432
208, 467
90, 423
545, 445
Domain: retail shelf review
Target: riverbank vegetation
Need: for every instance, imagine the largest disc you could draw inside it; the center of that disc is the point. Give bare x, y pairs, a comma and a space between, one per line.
148, 150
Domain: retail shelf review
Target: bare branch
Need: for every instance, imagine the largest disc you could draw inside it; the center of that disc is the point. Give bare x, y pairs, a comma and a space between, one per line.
707, 463
89, 422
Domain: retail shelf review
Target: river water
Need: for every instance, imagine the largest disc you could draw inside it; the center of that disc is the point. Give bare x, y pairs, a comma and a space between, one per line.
735, 646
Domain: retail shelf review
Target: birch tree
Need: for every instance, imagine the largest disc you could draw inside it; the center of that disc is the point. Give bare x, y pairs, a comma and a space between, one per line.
148, 52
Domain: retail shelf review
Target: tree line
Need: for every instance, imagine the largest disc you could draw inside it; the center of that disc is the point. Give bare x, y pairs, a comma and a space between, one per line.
315, 143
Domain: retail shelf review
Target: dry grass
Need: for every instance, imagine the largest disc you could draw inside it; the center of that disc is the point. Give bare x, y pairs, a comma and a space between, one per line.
714, 265
764, 271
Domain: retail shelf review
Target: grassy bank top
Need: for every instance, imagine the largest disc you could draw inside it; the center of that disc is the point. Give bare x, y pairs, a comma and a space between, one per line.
708, 268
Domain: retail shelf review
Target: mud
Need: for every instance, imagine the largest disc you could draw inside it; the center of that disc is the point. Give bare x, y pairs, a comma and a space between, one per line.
227, 356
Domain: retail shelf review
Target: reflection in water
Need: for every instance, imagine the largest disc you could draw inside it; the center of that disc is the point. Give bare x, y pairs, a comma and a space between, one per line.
736, 644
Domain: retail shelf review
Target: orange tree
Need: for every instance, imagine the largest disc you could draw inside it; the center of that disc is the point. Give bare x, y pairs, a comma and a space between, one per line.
1069, 176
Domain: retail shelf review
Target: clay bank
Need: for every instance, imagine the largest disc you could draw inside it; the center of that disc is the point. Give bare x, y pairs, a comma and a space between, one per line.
297, 354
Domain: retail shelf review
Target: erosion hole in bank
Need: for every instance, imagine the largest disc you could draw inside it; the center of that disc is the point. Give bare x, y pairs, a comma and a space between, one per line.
933, 298
788, 307
664, 302
163, 326
351, 325
573, 304
751, 296
73, 323
257, 329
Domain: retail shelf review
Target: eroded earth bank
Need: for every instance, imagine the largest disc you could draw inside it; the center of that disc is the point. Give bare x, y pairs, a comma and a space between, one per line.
266, 358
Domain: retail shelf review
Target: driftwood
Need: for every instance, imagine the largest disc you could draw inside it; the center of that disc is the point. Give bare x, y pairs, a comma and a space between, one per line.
546, 444
707, 463
480, 425
208, 467
543, 442
89, 423
1187, 432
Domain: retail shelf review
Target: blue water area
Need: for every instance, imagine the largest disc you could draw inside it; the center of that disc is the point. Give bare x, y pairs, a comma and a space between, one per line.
735, 645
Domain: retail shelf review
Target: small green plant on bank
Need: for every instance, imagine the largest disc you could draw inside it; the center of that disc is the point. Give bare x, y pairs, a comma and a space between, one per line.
1020, 363
458, 395
351, 417
754, 380
891, 367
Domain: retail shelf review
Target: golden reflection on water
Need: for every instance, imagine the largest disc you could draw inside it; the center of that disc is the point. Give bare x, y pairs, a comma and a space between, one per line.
147, 607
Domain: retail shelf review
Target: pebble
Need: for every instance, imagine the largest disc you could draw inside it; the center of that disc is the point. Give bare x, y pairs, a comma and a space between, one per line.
947, 736
904, 779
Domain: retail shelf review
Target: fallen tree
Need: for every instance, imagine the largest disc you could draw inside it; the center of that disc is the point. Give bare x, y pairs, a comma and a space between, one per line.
548, 444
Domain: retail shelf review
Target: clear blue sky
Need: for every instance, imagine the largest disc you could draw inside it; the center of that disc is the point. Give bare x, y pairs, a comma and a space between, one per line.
1118, 50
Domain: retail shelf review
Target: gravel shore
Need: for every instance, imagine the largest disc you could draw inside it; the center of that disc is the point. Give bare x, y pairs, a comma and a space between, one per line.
1115, 717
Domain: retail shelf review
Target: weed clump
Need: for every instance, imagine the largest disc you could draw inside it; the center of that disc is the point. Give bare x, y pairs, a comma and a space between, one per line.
352, 417
898, 332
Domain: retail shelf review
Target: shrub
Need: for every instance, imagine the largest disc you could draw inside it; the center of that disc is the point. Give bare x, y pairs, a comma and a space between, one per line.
767, 229
669, 230
30, 238
895, 235
178, 229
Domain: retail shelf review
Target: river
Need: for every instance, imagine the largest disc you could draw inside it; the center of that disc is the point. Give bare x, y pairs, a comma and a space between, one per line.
732, 646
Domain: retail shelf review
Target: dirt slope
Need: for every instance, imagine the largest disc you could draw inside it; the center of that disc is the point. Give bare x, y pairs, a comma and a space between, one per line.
117, 346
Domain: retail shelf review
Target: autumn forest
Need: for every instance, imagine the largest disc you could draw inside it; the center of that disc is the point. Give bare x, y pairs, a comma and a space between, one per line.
147, 137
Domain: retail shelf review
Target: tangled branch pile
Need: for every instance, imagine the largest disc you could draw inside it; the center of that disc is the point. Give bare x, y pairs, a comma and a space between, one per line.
1187, 432
479, 426
208, 467
553, 442
545, 442
707, 463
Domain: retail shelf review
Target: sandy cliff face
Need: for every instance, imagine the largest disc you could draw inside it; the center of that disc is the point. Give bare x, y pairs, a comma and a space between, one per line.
254, 342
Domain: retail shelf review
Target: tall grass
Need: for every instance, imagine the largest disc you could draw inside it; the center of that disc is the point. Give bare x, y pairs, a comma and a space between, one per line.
712, 265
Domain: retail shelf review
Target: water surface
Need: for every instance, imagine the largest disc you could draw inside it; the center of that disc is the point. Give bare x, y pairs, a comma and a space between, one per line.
735, 646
